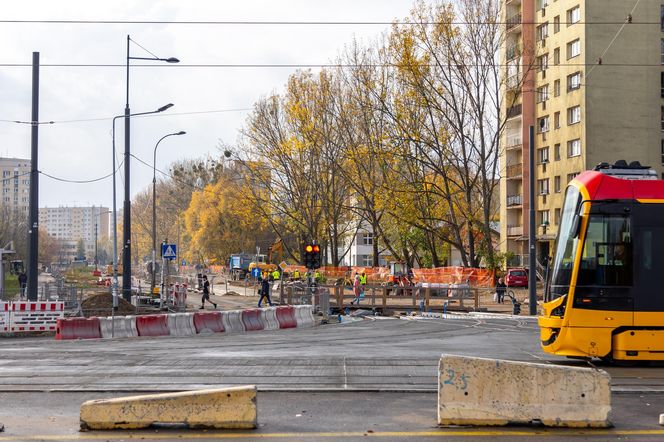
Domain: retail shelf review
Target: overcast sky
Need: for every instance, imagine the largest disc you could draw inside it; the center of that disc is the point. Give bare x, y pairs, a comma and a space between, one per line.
82, 150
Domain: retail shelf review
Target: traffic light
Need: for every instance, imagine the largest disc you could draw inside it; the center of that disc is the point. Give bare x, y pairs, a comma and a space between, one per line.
316, 256
309, 256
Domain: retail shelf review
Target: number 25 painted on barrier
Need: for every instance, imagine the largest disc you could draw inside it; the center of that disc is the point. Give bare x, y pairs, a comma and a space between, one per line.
452, 380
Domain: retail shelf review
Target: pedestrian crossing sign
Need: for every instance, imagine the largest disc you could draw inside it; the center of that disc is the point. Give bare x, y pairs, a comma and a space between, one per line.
168, 251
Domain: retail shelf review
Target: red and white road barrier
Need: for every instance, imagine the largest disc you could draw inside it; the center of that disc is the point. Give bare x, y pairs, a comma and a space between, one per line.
181, 324
118, 327
304, 315
77, 328
232, 321
35, 316
4, 317
269, 318
208, 322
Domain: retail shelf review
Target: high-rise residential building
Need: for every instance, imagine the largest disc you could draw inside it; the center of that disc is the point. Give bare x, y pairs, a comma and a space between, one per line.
15, 184
72, 224
584, 74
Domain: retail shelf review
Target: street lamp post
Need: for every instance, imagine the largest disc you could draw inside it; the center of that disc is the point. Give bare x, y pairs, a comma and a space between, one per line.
154, 209
126, 233
115, 216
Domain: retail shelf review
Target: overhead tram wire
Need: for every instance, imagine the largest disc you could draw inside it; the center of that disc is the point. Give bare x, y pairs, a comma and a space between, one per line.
299, 65
293, 22
64, 180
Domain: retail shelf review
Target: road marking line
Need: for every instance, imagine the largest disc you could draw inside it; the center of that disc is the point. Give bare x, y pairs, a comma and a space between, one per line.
345, 375
123, 435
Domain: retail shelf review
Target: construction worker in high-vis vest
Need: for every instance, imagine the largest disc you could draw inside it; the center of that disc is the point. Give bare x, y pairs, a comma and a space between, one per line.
275, 275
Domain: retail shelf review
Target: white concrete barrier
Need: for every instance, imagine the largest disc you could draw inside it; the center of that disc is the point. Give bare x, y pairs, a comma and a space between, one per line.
478, 391
304, 315
124, 327
232, 320
181, 324
269, 318
4, 317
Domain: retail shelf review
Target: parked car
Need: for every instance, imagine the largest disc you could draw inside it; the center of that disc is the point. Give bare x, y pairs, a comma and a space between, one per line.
516, 278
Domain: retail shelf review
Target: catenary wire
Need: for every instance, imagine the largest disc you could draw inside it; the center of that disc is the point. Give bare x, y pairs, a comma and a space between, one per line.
295, 22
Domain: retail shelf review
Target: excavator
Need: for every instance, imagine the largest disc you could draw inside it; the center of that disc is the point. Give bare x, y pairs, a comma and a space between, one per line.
274, 256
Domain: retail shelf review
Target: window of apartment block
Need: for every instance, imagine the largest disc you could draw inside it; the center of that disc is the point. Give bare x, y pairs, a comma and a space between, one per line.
556, 24
573, 15
556, 120
662, 83
6, 172
365, 260
543, 155
556, 183
571, 176
556, 56
662, 152
663, 51
574, 148
543, 62
543, 186
543, 93
365, 239
661, 14
574, 115
662, 118
541, 4
556, 216
542, 31
556, 88
573, 48
543, 124
574, 81
556, 152
543, 216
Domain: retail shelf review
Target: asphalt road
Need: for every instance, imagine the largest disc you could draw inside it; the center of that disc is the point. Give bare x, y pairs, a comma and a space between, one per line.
342, 379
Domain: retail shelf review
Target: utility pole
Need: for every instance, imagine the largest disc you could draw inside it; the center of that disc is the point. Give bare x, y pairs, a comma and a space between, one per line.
33, 226
532, 259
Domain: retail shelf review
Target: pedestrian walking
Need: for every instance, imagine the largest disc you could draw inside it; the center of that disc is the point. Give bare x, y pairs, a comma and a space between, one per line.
22, 283
501, 288
358, 290
206, 293
265, 292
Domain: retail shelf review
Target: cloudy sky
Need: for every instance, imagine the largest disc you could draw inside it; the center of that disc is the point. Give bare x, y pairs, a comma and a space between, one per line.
210, 103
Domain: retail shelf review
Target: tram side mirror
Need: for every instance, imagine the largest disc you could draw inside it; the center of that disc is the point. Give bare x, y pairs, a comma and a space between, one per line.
576, 226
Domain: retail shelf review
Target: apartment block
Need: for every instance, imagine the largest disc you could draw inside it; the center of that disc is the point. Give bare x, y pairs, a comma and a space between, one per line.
71, 224
15, 184
584, 73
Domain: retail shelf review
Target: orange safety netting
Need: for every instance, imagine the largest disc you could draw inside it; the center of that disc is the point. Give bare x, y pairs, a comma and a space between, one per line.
454, 275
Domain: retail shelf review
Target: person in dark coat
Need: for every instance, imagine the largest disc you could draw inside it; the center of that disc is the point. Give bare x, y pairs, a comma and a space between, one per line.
265, 291
22, 282
206, 293
501, 288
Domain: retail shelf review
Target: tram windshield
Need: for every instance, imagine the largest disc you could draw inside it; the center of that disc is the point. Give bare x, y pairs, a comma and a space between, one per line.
565, 249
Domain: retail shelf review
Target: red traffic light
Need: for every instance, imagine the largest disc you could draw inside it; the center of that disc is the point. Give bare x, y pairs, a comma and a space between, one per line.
309, 248
316, 248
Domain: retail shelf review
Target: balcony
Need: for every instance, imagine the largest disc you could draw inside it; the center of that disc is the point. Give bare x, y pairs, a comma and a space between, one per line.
514, 143
513, 52
514, 111
513, 82
513, 22
514, 230
514, 171
514, 200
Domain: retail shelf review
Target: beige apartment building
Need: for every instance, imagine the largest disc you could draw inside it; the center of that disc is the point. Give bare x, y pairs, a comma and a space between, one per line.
71, 224
584, 73
15, 184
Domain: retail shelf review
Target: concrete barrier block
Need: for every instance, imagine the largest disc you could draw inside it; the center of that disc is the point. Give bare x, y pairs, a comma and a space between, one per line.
231, 408
478, 391
304, 315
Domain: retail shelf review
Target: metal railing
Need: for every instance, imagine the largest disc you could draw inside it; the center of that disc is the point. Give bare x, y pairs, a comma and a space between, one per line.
515, 170
514, 230
514, 200
513, 21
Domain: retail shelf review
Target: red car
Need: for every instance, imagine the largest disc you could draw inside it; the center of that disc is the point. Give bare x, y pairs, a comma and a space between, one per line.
516, 278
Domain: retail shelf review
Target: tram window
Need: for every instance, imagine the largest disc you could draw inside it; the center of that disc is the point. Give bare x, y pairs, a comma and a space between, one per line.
606, 258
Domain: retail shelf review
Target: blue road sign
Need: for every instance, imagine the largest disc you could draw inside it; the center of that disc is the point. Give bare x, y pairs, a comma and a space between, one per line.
256, 272
168, 251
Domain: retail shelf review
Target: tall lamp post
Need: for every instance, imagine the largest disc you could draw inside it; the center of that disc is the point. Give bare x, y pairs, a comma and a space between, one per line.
115, 215
126, 233
154, 209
